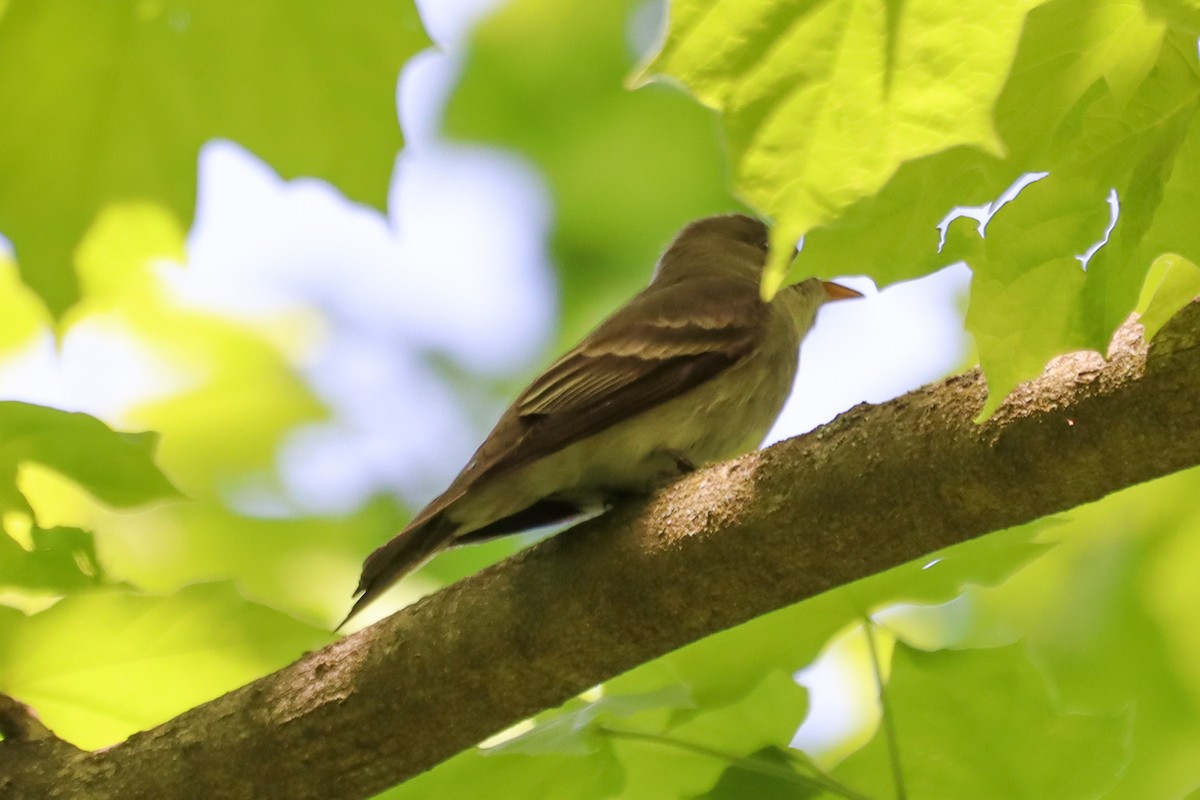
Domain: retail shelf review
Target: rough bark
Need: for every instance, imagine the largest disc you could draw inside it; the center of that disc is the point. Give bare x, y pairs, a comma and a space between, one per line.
877, 487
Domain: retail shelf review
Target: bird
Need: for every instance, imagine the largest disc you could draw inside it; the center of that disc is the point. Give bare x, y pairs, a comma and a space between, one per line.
692, 370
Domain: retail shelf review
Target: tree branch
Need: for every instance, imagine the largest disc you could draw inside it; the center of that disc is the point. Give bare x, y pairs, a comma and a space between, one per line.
877, 487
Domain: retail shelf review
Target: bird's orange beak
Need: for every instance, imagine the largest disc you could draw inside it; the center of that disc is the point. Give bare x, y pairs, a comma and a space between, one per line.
835, 291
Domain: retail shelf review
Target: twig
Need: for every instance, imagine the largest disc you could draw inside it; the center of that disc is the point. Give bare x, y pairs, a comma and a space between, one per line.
817, 782
886, 721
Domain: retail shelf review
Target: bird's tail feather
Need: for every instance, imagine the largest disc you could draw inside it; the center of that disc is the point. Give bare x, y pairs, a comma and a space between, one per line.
398, 557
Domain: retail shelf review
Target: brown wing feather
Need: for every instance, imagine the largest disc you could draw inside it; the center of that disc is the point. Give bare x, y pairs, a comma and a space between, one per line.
645, 383
658, 347
682, 334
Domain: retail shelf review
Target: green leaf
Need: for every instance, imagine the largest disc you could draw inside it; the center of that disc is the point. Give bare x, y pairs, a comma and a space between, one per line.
22, 314
112, 101
575, 732
99, 667
1030, 300
1071, 54
1171, 284
862, 129
698, 745
823, 102
767, 716
117, 468
636, 740
1110, 617
485, 773
739, 782
1172, 228
1183, 15
59, 560
1134, 146
984, 723
305, 565
1028, 285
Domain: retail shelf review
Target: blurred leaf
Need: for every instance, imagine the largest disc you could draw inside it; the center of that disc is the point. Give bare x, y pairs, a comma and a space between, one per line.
117, 468
626, 169
1108, 615
480, 773
235, 392
575, 732
662, 756
698, 744
60, 560
239, 392
738, 782
231, 422
1171, 284
622, 740
983, 723
1168, 592
99, 667
111, 101
304, 565
22, 315
116, 255
1183, 15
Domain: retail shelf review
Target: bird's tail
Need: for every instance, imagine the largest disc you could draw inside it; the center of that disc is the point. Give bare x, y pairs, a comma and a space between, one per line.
397, 558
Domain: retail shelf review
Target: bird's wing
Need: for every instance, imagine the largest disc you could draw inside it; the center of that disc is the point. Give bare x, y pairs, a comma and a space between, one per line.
664, 342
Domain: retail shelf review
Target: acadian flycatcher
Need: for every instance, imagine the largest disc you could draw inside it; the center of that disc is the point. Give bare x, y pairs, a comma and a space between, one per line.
694, 369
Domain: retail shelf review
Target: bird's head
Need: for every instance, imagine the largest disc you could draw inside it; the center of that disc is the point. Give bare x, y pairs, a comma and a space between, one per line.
736, 245
728, 244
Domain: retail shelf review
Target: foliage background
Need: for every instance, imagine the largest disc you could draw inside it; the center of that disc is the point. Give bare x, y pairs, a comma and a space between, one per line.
1059, 659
